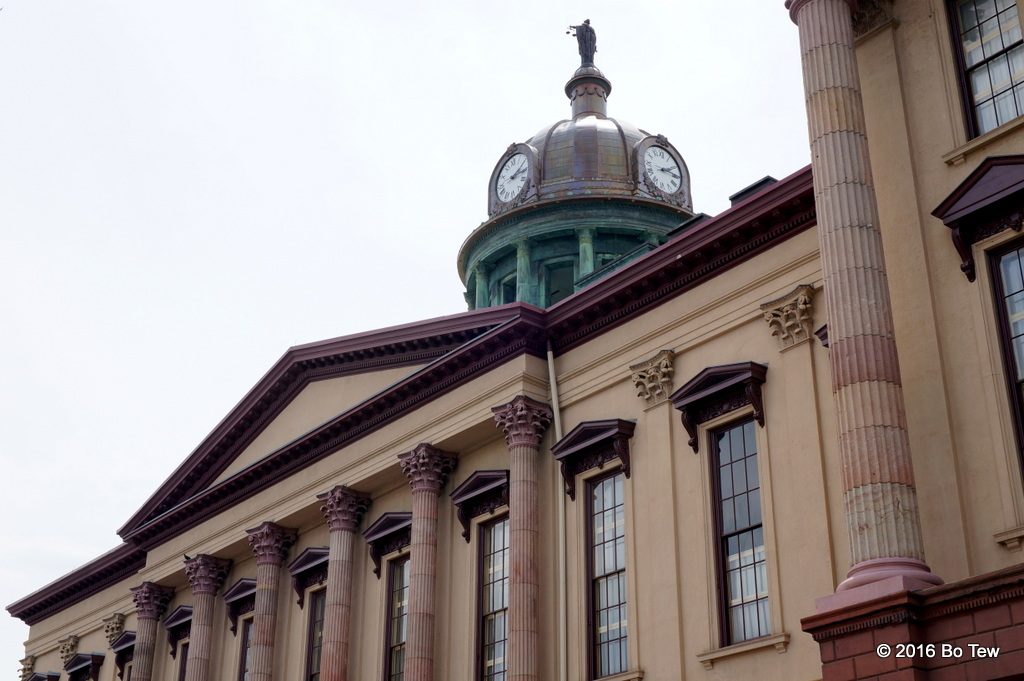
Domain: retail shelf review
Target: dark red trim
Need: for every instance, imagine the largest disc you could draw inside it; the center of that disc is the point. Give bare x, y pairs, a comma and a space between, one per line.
308, 569
480, 493
240, 600
695, 256
384, 348
464, 346
591, 445
110, 568
522, 335
718, 390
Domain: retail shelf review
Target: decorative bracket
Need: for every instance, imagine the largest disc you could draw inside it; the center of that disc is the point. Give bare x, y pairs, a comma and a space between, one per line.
718, 390
481, 493
790, 317
389, 533
240, 599
84, 667
988, 201
178, 625
308, 569
652, 378
592, 444
124, 651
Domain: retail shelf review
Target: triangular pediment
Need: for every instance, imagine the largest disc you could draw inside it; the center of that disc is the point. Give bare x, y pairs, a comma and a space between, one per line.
995, 178
386, 349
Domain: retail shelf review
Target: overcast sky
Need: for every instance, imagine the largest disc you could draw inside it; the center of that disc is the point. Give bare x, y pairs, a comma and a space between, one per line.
189, 188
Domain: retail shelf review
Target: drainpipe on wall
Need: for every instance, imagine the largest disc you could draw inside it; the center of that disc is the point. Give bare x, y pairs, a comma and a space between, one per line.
563, 654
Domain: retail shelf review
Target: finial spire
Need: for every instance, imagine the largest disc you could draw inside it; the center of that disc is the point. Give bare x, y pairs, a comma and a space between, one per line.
587, 39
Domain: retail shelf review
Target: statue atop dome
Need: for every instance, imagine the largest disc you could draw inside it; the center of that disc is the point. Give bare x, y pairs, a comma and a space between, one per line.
587, 39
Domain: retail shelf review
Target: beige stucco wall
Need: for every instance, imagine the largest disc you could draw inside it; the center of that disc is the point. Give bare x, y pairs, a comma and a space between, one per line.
963, 447
318, 402
962, 442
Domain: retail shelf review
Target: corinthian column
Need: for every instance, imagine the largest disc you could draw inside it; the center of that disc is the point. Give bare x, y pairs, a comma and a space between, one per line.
880, 498
524, 421
205, 575
150, 603
427, 469
344, 509
270, 544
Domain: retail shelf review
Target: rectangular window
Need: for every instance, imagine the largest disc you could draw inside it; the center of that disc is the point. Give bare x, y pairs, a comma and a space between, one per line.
743, 581
991, 52
559, 279
398, 618
182, 660
508, 289
494, 600
314, 642
128, 672
608, 628
244, 645
1010, 292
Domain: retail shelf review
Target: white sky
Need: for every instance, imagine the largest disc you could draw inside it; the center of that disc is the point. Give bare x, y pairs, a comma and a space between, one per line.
189, 188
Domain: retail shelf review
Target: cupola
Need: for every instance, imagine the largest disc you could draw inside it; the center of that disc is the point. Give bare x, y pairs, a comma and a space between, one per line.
574, 202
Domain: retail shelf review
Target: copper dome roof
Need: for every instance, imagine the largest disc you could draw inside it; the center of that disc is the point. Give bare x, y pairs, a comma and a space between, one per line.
588, 155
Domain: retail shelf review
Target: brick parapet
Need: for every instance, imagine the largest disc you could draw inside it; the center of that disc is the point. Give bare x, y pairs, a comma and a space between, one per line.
987, 610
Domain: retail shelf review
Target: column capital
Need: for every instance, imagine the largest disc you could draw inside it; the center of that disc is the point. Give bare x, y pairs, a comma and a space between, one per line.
151, 599
67, 648
205, 573
343, 507
523, 420
270, 542
794, 7
427, 467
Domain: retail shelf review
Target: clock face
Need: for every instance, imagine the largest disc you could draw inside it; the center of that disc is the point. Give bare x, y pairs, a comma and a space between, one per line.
662, 170
512, 177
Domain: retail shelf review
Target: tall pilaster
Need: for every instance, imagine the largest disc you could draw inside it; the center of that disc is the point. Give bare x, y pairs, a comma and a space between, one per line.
585, 237
344, 509
483, 290
880, 498
523, 274
270, 544
427, 469
524, 421
150, 603
205, 575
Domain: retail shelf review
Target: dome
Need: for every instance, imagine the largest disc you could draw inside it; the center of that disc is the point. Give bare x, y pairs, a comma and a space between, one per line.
590, 154
574, 202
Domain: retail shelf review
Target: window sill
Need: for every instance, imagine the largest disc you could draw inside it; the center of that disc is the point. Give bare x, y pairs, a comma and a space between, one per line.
778, 641
960, 154
624, 676
1011, 540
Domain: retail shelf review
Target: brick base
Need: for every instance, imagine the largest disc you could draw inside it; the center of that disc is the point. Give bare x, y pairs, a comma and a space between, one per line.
920, 626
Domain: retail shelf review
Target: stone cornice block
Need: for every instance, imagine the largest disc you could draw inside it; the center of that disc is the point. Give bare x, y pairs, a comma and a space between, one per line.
652, 378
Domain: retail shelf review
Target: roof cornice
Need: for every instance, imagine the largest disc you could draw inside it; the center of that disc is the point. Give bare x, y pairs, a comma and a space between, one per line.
492, 336
381, 349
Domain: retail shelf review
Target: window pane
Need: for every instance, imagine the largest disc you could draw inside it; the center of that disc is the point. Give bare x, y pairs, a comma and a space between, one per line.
1005, 4
986, 117
1009, 267
968, 17
991, 37
1006, 107
1017, 64
1009, 24
973, 54
398, 586
986, 9
981, 87
999, 73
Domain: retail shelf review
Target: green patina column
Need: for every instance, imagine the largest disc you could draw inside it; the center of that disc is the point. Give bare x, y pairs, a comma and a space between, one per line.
586, 239
523, 271
483, 293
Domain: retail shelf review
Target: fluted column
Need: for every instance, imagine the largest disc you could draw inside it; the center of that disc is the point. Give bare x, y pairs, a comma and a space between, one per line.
344, 509
524, 278
483, 289
270, 544
524, 421
427, 469
205, 575
150, 603
586, 254
880, 498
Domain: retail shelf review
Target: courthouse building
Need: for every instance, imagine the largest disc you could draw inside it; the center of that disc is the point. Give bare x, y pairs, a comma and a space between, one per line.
660, 445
